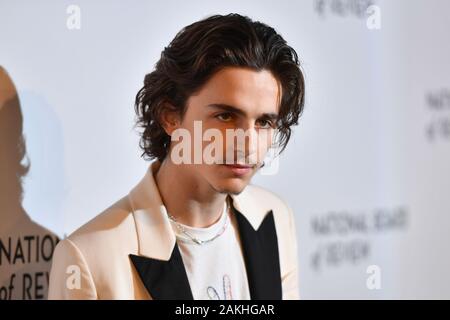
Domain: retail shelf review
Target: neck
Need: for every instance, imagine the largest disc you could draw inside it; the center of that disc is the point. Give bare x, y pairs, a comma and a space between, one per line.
192, 202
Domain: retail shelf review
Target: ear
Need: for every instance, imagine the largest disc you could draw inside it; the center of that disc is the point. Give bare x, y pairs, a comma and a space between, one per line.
170, 118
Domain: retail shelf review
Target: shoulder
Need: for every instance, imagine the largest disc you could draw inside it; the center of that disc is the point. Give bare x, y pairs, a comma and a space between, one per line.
111, 218
256, 202
107, 229
286, 236
269, 200
100, 244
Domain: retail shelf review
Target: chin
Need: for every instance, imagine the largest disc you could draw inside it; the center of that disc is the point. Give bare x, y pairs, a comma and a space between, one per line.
232, 186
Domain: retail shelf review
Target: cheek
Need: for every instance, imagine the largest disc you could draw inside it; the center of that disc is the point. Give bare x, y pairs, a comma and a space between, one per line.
265, 140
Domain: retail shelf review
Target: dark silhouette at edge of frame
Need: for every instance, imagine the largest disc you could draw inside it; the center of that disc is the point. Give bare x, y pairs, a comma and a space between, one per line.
26, 248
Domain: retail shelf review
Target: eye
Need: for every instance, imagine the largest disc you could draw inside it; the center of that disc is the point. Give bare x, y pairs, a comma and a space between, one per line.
266, 124
226, 116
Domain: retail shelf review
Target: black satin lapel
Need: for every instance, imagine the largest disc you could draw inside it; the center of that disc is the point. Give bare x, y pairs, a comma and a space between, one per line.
164, 280
261, 257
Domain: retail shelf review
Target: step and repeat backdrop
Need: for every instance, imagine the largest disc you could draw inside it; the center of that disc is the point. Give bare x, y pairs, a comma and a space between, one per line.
367, 171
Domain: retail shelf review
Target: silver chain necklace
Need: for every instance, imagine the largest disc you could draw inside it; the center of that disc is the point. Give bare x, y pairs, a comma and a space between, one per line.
183, 230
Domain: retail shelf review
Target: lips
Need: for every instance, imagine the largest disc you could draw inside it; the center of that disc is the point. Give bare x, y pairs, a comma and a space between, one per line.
242, 166
239, 170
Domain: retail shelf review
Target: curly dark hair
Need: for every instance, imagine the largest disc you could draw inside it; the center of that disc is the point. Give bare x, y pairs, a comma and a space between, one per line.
197, 52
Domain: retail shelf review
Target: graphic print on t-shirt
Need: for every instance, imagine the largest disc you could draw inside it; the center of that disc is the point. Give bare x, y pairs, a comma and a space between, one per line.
213, 294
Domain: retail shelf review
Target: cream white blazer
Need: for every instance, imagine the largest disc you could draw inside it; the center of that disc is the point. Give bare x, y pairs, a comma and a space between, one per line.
129, 251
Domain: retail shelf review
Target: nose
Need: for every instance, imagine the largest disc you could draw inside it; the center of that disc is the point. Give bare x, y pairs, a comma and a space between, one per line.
248, 153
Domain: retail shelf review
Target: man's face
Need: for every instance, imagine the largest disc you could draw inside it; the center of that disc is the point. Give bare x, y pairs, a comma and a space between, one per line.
234, 101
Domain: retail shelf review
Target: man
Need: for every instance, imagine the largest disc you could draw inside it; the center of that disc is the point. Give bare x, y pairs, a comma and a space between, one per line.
194, 227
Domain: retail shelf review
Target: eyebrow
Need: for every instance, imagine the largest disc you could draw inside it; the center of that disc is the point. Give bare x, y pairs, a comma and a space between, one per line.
233, 109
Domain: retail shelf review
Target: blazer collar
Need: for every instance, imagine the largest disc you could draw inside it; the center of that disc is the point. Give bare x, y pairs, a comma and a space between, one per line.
156, 238
159, 262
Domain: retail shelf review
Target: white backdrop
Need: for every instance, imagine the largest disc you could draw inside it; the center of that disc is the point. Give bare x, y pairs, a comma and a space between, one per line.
367, 171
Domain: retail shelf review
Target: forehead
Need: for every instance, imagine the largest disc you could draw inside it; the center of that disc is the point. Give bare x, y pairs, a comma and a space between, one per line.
249, 90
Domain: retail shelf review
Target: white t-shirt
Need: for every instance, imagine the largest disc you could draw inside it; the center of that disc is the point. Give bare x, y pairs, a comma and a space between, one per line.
215, 270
